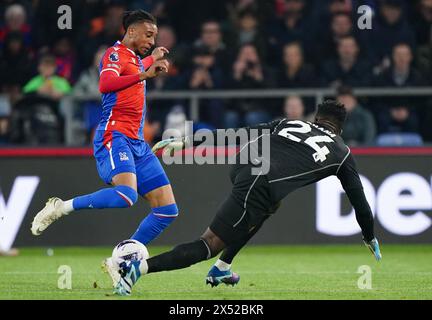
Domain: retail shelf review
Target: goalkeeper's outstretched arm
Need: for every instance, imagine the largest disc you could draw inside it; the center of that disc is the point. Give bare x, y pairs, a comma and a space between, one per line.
353, 187
175, 144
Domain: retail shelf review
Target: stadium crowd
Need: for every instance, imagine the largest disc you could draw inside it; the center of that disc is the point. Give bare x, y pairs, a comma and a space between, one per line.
222, 44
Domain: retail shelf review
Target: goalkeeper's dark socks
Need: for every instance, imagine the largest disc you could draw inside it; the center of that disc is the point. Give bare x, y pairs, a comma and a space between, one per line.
182, 256
233, 249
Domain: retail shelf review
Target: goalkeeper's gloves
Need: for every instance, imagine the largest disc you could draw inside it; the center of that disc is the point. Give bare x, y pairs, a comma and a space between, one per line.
373, 246
170, 146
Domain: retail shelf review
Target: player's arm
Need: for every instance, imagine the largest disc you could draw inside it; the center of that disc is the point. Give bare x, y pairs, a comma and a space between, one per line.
259, 129
111, 79
157, 54
351, 183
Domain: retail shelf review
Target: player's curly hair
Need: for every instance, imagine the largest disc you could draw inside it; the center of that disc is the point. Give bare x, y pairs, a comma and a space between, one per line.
333, 112
131, 17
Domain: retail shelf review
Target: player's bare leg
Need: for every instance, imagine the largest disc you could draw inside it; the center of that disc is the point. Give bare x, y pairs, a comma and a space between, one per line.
160, 197
128, 179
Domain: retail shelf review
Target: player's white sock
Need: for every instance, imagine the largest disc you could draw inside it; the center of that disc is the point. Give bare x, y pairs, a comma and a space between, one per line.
222, 266
143, 267
67, 206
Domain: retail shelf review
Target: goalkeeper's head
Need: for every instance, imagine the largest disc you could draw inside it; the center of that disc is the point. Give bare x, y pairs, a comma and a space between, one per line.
140, 31
331, 114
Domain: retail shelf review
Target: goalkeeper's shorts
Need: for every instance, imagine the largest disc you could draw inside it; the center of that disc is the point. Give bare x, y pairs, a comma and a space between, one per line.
246, 208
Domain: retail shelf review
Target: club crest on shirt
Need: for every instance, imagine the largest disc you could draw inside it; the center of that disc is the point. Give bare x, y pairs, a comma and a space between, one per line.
114, 57
123, 156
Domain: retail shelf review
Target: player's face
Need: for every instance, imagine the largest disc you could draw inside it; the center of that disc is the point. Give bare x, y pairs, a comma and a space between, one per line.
144, 37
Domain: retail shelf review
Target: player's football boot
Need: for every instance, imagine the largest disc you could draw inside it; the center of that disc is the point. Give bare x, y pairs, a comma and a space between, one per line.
108, 266
52, 211
216, 277
373, 246
129, 275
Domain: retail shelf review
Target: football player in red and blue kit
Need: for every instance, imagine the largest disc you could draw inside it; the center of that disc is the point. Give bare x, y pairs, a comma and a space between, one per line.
124, 160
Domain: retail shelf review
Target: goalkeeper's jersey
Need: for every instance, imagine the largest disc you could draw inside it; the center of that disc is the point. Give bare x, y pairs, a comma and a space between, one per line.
301, 153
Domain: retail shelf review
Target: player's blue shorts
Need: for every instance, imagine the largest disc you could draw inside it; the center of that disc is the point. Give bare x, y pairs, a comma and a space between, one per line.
123, 154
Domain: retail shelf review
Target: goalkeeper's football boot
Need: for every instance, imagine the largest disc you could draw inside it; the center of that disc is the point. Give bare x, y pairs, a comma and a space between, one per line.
216, 277
373, 246
108, 266
52, 211
129, 275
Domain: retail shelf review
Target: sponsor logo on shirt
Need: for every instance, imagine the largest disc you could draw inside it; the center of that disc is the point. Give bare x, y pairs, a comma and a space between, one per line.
112, 65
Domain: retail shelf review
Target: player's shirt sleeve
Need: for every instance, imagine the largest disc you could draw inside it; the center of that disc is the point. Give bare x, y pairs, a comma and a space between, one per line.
111, 78
147, 62
353, 187
113, 62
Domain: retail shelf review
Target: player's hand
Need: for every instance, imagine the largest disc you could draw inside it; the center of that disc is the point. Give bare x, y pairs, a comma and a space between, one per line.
170, 146
159, 53
155, 69
373, 246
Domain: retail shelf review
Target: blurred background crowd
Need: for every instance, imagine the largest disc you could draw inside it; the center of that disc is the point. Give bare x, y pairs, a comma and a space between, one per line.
220, 45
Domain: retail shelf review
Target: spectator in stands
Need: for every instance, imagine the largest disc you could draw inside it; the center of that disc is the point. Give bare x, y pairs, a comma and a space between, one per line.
186, 17
293, 26
104, 31
178, 54
87, 89
390, 28
349, 68
424, 62
247, 30
401, 73
15, 66
248, 70
399, 119
16, 21
294, 109
423, 22
65, 58
47, 83
5, 113
36, 119
211, 37
266, 9
205, 74
179, 60
341, 26
249, 73
295, 72
326, 17
46, 19
360, 127
155, 7
88, 82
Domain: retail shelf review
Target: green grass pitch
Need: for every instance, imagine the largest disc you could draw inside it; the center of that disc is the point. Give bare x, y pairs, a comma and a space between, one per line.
267, 272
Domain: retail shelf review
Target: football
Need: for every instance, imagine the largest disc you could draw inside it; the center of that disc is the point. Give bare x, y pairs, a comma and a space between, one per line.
129, 250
